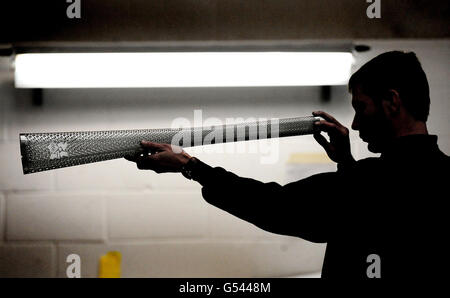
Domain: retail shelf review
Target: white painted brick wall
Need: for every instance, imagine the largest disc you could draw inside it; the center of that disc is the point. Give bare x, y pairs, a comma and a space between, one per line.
444, 143
54, 216
6, 94
118, 174
224, 225
27, 260
201, 259
111, 175
157, 214
11, 173
2, 218
2, 114
168, 181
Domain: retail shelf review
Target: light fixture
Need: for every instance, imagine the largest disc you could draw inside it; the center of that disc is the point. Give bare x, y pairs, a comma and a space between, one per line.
181, 69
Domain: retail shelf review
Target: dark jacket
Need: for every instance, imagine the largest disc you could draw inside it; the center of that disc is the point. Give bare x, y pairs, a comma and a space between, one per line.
392, 206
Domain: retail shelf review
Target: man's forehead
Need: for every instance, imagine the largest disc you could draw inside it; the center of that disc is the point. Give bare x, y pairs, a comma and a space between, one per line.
355, 97
359, 96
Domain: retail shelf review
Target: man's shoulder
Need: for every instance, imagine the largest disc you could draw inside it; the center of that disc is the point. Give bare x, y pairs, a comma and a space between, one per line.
442, 156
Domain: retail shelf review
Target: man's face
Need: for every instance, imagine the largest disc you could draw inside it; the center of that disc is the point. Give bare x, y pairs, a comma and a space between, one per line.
370, 121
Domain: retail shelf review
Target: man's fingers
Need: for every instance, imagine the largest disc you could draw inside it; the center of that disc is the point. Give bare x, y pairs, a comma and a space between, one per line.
134, 156
321, 140
326, 126
140, 154
326, 116
331, 127
148, 162
152, 146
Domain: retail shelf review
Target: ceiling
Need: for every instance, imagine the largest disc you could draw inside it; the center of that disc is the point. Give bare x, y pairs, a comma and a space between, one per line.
220, 20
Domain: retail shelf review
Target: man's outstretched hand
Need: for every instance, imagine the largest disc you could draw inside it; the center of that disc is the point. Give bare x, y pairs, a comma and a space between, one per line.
162, 158
338, 148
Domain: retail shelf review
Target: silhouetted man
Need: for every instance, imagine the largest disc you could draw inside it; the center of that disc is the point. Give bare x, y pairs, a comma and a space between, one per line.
380, 217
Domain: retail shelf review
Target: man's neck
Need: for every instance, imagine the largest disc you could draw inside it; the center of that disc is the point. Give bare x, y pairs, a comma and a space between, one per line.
414, 128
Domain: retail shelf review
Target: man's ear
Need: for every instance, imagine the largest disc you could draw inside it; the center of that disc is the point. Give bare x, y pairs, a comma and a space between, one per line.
392, 102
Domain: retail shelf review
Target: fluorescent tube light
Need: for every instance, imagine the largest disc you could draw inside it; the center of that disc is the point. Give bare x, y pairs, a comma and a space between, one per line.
187, 69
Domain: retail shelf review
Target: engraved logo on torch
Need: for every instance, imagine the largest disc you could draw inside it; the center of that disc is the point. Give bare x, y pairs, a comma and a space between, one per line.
57, 151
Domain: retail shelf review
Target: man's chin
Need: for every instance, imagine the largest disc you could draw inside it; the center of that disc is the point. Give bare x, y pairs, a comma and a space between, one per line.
373, 147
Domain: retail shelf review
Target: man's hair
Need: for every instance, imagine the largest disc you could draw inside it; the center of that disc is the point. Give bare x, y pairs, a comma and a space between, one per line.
399, 71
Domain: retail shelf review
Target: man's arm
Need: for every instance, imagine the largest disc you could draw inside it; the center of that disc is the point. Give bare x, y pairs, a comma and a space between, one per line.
296, 209
302, 208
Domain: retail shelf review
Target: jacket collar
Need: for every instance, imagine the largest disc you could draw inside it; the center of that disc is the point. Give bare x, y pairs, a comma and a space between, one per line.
411, 145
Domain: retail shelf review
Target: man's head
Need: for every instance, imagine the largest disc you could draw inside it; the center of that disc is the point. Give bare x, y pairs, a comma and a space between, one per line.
390, 95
